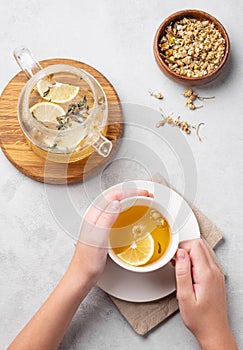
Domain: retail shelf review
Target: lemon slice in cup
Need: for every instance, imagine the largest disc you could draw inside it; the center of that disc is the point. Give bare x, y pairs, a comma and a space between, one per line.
57, 92
47, 112
139, 253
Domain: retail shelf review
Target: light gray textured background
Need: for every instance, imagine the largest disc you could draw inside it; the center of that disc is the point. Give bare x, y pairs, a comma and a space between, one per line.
116, 38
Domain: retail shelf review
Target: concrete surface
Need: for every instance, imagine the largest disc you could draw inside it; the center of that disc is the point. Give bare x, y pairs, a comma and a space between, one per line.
116, 37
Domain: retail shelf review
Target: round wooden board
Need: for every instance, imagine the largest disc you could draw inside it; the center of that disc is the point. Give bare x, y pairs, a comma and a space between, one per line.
19, 153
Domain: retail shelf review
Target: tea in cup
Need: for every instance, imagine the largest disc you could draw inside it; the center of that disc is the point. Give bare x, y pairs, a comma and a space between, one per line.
143, 237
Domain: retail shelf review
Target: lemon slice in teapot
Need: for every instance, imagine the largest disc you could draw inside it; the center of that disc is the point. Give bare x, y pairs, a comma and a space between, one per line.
47, 112
56, 92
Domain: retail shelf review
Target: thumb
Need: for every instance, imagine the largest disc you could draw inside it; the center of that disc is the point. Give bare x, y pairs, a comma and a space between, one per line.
109, 215
183, 275
97, 234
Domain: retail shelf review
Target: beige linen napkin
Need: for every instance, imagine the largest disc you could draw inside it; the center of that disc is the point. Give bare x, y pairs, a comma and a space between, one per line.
143, 317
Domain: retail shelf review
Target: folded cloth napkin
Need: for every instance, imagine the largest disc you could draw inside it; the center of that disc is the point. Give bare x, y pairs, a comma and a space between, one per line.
143, 317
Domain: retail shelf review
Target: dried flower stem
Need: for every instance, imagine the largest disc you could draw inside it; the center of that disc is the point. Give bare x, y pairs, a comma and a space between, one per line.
197, 127
205, 98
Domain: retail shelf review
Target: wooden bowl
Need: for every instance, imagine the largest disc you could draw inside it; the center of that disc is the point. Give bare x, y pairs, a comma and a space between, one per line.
200, 15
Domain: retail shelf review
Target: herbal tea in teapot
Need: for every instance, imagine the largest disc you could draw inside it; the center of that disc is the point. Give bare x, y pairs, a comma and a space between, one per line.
61, 101
62, 110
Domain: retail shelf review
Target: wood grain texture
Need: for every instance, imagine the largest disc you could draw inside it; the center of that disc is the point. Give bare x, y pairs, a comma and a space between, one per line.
17, 150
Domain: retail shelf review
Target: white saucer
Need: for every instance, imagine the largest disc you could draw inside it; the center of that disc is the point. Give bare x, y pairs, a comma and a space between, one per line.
149, 286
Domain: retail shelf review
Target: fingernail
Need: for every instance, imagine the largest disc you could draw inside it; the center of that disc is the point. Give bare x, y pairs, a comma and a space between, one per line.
114, 206
180, 254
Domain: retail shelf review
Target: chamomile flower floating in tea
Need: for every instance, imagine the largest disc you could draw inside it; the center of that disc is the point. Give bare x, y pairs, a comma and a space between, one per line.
140, 235
138, 232
157, 218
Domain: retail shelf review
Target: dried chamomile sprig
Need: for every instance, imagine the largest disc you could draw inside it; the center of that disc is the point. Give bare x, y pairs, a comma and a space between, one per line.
157, 95
183, 125
192, 96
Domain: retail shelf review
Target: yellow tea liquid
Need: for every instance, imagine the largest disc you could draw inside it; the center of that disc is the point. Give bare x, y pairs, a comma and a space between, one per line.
61, 138
139, 217
63, 78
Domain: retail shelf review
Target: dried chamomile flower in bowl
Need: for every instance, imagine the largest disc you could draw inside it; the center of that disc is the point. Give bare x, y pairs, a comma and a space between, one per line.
191, 47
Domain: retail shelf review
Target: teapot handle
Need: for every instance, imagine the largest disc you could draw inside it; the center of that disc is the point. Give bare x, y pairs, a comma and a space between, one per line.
100, 143
26, 61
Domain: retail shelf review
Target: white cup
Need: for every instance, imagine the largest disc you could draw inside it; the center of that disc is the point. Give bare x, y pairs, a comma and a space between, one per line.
174, 239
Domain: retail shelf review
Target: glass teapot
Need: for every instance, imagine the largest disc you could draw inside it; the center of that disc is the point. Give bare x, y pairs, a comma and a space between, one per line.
62, 110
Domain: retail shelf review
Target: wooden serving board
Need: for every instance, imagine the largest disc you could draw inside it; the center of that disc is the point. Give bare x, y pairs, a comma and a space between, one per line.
17, 150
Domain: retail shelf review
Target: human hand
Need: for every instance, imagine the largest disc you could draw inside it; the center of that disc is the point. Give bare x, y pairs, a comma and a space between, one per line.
202, 297
92, 246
